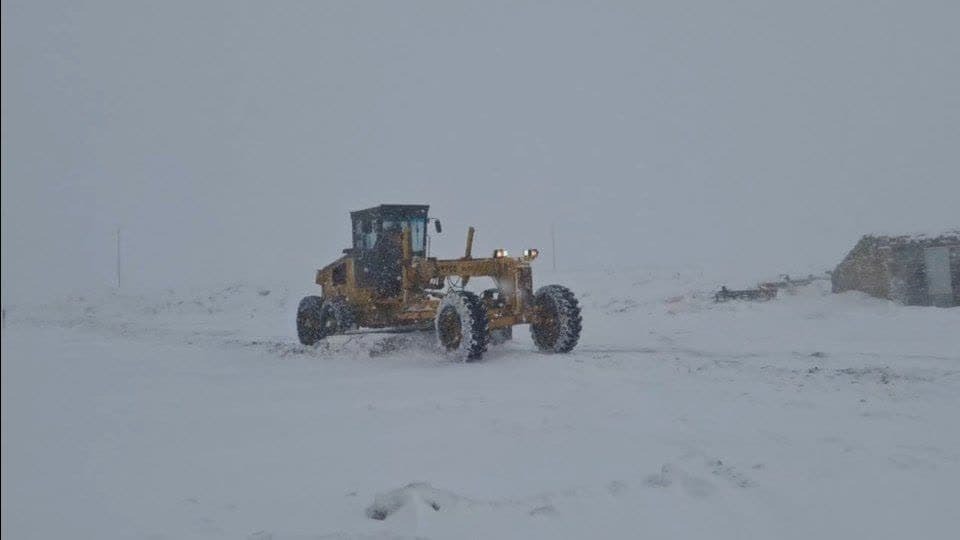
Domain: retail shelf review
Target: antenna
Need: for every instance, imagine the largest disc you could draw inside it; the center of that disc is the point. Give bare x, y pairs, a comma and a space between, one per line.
118, 258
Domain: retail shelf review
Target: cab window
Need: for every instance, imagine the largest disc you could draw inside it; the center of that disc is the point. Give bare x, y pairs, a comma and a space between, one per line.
369, 234
416, 226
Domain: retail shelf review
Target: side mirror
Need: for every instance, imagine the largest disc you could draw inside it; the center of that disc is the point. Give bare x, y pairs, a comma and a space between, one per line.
437, 226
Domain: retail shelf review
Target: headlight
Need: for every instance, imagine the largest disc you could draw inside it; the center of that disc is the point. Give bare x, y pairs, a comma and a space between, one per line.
500, 253
531, 253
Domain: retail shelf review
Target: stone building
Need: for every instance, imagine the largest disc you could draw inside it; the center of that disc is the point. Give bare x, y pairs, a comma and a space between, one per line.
917, 270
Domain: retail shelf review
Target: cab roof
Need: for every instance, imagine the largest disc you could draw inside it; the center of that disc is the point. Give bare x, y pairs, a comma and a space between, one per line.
392, 211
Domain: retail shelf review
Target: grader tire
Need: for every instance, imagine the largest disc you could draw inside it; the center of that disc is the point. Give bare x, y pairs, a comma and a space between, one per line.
309, 329
318, 318
558, 324
461, 325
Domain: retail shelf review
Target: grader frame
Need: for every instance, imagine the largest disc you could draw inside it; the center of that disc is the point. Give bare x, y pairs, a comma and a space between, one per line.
422, 282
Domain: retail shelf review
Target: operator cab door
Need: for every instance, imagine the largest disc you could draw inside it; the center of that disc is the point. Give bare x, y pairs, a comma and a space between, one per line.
377, 240
378, 253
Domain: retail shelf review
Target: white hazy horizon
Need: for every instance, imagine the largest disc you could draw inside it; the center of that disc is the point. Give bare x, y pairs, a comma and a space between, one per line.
230, 140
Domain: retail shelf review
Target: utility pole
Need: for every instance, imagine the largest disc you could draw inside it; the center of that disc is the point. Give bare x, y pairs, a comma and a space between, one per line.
118, 258
553, 241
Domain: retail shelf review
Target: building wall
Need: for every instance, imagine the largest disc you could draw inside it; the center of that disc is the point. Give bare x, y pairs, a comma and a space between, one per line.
908, 283
863, 269
894, 270
955, 273
914, 273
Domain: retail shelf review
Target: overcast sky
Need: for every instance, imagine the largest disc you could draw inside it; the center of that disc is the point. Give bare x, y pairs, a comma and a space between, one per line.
230, 140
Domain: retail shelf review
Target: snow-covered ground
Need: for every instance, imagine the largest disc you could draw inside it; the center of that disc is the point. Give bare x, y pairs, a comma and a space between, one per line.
197, 415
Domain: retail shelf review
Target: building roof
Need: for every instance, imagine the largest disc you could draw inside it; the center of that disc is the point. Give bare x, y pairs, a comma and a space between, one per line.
948, 236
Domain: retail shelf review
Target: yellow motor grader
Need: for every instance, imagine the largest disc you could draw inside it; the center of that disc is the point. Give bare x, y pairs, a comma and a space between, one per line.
389, 282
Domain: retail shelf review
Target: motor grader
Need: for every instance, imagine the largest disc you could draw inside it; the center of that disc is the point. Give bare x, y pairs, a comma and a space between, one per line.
388, 282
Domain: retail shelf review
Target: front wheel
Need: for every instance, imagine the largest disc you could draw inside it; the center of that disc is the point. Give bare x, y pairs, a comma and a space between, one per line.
557, 322
461, 325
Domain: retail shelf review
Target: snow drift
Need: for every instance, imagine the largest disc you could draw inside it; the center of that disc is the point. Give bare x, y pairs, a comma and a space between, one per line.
197, 415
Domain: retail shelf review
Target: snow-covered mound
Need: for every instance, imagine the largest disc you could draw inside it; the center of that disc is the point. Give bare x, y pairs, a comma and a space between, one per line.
196, 414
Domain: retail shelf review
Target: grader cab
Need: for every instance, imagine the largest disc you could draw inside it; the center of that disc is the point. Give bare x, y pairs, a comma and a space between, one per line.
387, 281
